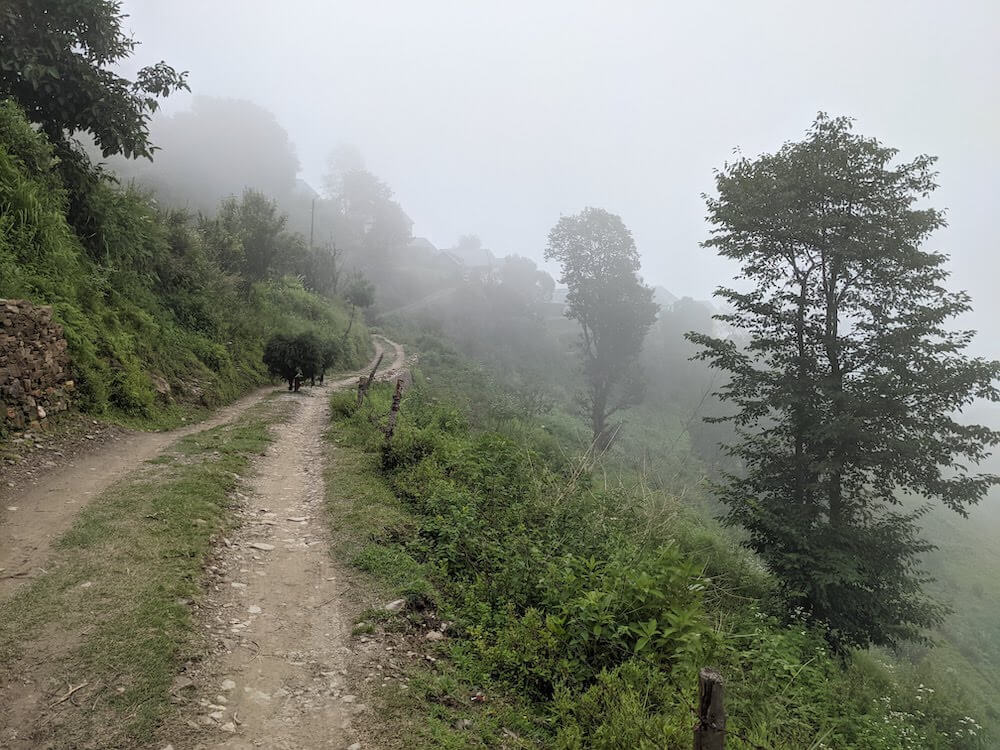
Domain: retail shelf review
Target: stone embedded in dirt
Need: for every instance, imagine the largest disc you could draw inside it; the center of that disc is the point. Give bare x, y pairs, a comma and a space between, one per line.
262, 546
298, 519
217, 715
396, 605
349, 698
229, 727
238, 585
254, 609
86, 584
180, 682
434, 635
354, 746
228, 685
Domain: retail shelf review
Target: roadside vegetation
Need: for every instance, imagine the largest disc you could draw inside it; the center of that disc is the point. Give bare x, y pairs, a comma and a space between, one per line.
593, 490
581, 604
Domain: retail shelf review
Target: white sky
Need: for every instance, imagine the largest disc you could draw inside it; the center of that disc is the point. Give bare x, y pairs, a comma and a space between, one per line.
496, 117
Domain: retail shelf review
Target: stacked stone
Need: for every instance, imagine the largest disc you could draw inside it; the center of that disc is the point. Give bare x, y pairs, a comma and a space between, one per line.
34, 366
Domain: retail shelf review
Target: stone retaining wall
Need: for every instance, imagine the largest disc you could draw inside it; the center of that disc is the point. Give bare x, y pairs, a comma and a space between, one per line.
34, 366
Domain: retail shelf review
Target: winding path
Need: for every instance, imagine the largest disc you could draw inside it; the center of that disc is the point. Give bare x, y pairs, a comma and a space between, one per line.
45, 511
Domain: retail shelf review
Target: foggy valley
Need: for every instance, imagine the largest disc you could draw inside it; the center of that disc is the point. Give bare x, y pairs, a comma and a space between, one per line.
523, 375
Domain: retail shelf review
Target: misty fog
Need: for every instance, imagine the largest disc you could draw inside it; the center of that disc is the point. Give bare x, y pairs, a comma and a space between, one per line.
496, 118
540, 374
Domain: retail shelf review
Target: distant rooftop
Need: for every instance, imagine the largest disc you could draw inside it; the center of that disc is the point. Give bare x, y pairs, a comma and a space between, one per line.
421, 244
304, 188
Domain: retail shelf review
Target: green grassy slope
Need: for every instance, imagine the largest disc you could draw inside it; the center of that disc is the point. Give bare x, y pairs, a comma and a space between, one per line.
150, 301
582, 602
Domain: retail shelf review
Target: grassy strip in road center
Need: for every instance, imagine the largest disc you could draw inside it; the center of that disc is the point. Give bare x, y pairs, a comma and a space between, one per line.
112, 609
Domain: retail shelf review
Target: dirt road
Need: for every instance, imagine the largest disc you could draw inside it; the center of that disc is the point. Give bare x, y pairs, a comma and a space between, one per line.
275, 614
275, 604
43, 512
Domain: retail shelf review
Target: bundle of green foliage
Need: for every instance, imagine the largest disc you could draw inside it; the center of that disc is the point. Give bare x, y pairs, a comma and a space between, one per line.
305, 355
584, 610
288, 357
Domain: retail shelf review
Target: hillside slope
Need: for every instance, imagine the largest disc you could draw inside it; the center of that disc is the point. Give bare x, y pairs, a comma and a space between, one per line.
144, 299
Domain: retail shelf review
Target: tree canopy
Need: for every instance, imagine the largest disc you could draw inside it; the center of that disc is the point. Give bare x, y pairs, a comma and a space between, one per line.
848, 393
216, 148
600, 265
58, 60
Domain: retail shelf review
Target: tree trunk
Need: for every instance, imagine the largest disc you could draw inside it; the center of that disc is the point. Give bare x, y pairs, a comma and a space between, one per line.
801, 460
831, 345
599, 419
350, 323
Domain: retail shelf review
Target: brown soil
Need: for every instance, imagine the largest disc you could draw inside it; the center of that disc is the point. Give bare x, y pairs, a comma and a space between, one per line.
275, 678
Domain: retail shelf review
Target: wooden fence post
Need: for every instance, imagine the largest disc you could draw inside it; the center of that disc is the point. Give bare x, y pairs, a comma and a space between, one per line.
365, 383
710, 731
397, 396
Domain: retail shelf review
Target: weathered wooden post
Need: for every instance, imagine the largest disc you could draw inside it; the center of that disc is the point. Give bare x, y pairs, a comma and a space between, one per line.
397, 397
710, 731
365, 383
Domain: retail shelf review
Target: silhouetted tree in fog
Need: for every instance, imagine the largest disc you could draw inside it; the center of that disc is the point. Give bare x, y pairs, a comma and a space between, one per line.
527, 287
219, 147
847, 392
367, 218
359, 293
614, 308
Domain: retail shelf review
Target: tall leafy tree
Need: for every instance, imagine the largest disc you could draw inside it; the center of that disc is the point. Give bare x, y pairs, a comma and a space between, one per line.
600, 265
848, 394
258, 224
58, 61
368, 219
